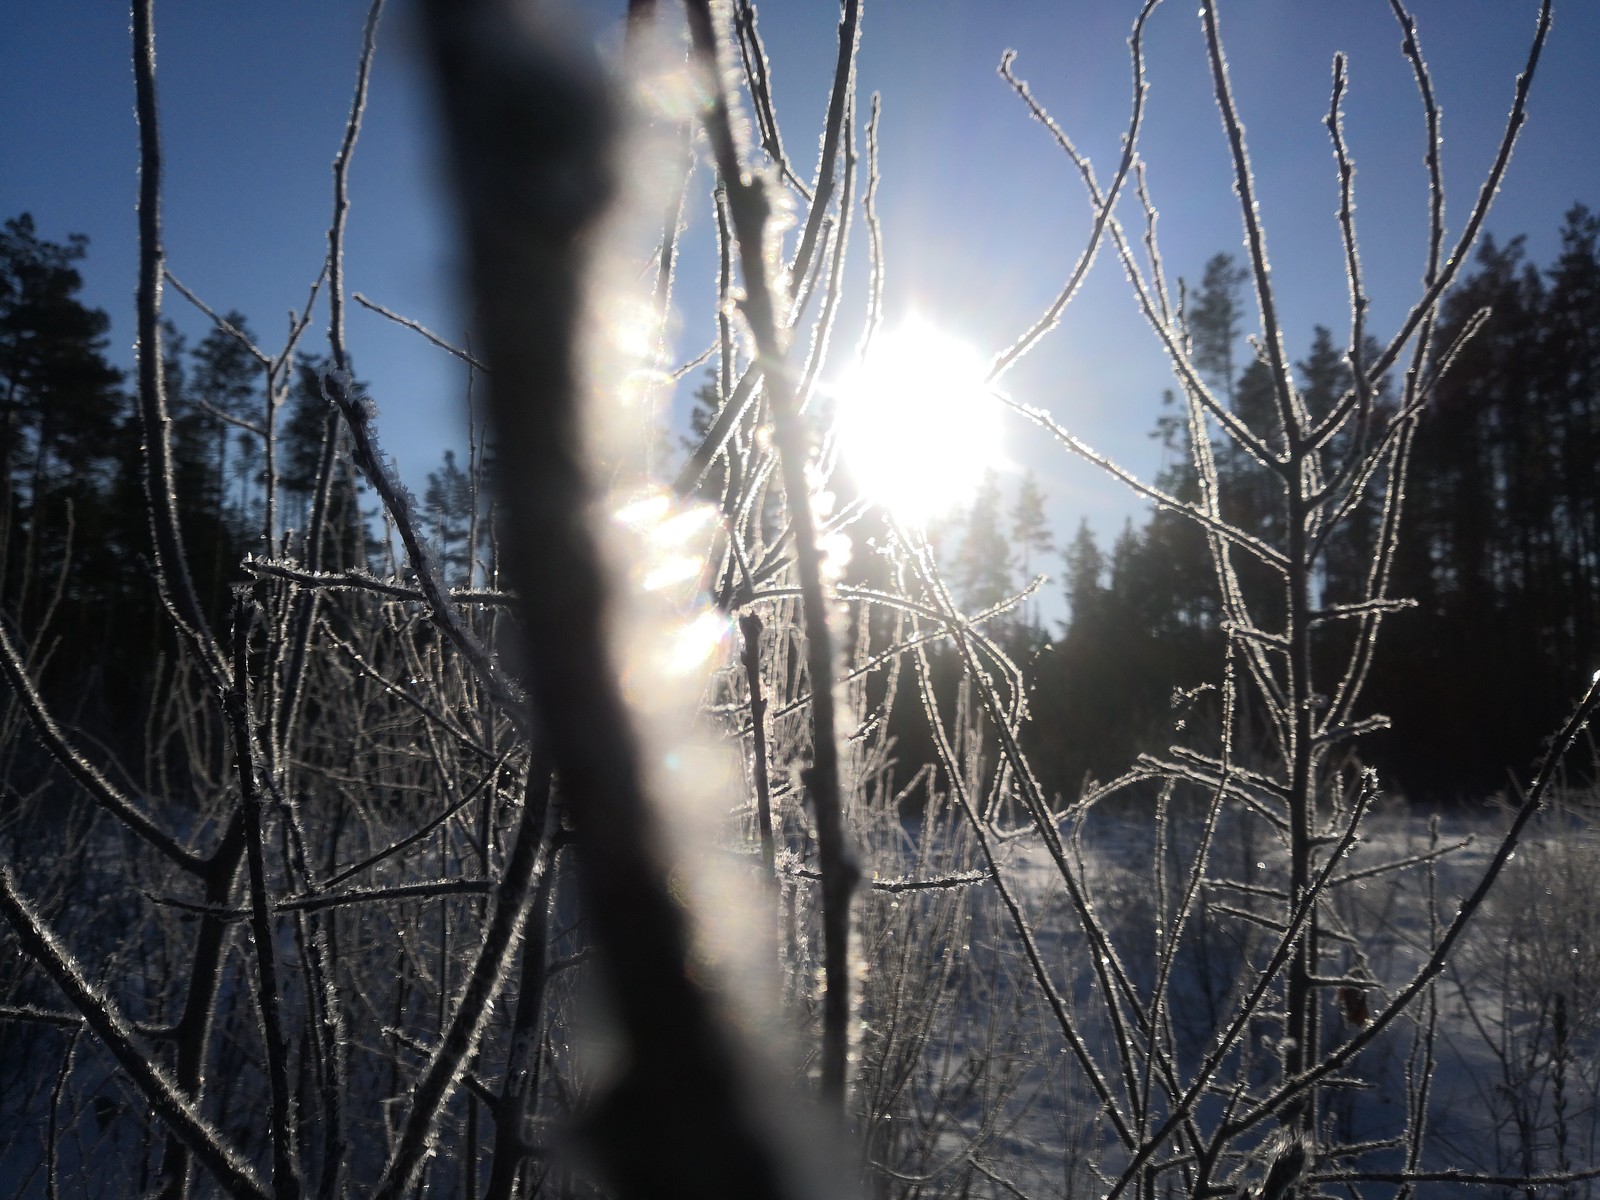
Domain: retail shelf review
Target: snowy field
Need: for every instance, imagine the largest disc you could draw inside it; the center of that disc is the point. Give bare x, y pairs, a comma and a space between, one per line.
1507, 1081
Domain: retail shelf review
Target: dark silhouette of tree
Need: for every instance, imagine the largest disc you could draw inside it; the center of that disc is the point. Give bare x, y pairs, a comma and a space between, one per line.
449, 504
1031, 536
304, 454
302, 431
1141, 631
1074, 682
226, 385
1085, 572
1151, 610
1572, 359
60, 412
75, 543
1216, 320
982, 565
1501, 559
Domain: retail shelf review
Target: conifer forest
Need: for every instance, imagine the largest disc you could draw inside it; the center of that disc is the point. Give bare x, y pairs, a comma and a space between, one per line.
647, 807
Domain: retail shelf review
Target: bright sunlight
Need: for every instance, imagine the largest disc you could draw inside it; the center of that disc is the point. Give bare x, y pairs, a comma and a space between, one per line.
917, 427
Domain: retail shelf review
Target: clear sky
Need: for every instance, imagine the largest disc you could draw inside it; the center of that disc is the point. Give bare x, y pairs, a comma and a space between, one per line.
982, 215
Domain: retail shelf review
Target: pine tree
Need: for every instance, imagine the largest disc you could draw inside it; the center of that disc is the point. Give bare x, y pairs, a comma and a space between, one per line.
1030, 534
1326, 375
1215, 320
60, 409
983, 559
448, 505
1085, 572
225, 379
1570, 351
301, 435
301, 450
1485, 559
1103, 692
74, 538
1324, 372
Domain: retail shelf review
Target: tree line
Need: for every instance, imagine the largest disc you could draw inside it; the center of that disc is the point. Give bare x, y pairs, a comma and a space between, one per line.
75, 547
1503, 557
1502, 553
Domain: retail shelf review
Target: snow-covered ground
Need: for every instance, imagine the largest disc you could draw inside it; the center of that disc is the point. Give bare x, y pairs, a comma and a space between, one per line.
1511, 1072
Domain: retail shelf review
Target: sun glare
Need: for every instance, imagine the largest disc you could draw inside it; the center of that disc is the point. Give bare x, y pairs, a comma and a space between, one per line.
917, 427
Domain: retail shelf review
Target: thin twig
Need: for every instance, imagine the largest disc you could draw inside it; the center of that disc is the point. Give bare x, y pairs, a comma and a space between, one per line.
418, 327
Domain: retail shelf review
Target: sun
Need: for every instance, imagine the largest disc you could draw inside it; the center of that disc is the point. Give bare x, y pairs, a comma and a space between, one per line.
916, 424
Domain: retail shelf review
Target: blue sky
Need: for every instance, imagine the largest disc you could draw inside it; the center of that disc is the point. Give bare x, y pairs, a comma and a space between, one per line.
982, 215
